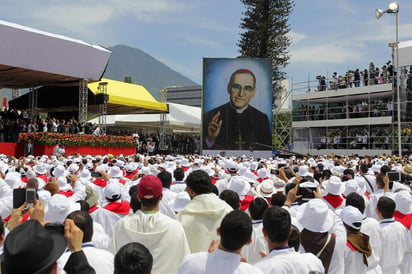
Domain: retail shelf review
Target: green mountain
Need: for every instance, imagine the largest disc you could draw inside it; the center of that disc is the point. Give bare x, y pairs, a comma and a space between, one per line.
143, 69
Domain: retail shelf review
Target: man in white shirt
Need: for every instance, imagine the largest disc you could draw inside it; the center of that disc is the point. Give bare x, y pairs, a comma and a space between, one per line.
282, 259
395, 236
101, 260
163, 236
168, 195
235, 231
203, 215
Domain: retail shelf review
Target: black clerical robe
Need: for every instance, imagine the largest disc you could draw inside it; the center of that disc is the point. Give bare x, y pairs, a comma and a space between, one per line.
239, 131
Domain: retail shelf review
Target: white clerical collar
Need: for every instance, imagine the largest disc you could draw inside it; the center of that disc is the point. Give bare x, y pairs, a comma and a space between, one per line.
237, 109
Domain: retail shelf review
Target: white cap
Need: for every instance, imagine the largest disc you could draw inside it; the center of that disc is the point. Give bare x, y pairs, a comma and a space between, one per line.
352, 217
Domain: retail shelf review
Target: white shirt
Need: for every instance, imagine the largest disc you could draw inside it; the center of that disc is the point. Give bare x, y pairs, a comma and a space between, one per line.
287, 261
218, 262
371, 227
258, 244
101, 260
354, 261
394, 244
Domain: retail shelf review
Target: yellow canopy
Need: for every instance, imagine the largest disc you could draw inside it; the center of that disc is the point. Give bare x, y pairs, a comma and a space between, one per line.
129, 95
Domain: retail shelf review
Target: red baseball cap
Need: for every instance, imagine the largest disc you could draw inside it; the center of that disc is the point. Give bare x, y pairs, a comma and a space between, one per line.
150, 187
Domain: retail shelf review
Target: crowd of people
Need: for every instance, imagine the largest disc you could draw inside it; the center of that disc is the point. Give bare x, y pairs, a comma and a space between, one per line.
356, 78
205, 214
355, 109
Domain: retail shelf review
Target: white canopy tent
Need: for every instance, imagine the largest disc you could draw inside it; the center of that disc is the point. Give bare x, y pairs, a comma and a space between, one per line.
32, 58
179, 118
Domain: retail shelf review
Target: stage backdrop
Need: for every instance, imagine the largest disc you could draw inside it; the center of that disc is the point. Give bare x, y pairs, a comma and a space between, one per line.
237, 106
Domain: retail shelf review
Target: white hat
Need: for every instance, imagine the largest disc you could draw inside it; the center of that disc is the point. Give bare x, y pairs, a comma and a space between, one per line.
85, 174
351, 186
231, 166
403, 200
59, 207
130, 167
144, 170
112, 190
262, 172
208, 170
63, 185
40, 169
334, 185
303, 171
315, 216
13, 179
73, 168
253, 165
239, 185
180, 201
266, 188
59, 171
115, 172
352, 217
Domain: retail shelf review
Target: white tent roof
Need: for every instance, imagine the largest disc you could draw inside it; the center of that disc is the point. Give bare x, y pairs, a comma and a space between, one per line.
30, 58
180, 117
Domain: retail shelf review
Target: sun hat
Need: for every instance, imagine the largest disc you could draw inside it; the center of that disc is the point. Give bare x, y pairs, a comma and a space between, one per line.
231, 166
63, 185
262, 173
59, 207
266, 188
334, 186
315, 216
407, 169
115, 172
30, 248
303, 171
180, 201
40, 169
352, 217
403, 200
59, 170
149, 187
239, 185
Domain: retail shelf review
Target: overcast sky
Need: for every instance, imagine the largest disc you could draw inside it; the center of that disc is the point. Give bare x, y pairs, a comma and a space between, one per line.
328, 35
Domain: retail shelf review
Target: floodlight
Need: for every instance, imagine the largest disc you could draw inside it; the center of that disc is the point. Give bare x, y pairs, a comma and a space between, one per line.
379, 13
394, 6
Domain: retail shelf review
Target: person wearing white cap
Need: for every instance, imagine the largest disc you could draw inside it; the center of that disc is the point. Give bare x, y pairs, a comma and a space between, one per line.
334, 188
282, 258
370, 227
395, 236
358, 248
403, 214
323, 235
116, 209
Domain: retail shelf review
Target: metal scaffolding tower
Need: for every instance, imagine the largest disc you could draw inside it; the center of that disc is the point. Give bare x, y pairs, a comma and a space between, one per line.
83, 97
103, 107
162, 129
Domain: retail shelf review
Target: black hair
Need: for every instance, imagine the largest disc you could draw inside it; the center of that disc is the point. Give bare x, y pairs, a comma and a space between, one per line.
380, 180
385, 169
84, 221
235, 230
277, 199
1, 226
231, 198
150, 203
257, 208
166, 178
364, 168
355, 200
277, 224
386, 207
350, 172
133, 258
84, 206
326, 174
214, 190
135, 204
294, 238
289, 186
179, 174
199, 182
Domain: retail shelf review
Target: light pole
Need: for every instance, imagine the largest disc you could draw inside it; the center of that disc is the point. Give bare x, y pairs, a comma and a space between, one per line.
393, 8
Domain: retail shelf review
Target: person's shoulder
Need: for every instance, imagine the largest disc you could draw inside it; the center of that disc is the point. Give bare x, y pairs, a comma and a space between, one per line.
257, 112
216, 109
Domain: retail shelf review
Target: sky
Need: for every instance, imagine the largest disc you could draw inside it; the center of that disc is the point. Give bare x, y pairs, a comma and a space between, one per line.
327, 35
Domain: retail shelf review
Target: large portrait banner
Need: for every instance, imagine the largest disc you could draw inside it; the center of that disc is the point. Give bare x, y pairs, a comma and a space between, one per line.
237, 106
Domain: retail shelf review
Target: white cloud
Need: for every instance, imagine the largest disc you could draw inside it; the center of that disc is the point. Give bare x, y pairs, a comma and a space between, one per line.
325, 53
297, 37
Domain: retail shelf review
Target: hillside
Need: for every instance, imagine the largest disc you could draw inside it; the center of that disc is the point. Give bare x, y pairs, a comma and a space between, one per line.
143, 69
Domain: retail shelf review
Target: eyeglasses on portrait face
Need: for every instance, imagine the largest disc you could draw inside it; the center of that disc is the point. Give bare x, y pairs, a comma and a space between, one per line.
238, 88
